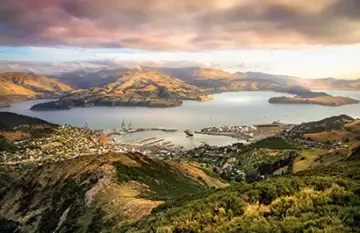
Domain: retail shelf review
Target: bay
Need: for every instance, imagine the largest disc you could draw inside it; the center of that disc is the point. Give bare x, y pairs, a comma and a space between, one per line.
235, 108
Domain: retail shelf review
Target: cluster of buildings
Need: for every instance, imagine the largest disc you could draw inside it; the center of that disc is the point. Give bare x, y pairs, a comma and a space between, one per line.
65, 142
319, 144
220, 158
243, 131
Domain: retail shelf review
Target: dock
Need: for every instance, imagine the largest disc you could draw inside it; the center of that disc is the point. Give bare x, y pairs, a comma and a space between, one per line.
110, 132
154, 142
145, 140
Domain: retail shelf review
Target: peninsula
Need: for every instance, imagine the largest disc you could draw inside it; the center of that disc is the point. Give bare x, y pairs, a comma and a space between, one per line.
134, 88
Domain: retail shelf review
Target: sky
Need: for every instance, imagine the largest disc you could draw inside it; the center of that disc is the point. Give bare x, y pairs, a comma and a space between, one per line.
305, 38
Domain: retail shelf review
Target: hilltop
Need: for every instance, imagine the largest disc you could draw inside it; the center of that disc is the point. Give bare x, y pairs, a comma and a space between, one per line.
9, 121
15, 127
325, 125
134, 88
23, 86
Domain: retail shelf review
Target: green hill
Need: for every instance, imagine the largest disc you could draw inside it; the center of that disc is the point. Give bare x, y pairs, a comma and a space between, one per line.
321, 200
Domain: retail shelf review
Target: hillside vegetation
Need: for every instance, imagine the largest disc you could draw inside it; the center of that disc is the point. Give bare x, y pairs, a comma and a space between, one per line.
321, 200
93, 193
290, 182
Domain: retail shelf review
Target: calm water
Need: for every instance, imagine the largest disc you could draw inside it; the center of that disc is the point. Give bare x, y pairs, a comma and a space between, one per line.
241, 108
179, 138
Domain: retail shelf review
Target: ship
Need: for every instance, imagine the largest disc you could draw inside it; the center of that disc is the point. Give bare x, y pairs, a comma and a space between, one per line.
189, 133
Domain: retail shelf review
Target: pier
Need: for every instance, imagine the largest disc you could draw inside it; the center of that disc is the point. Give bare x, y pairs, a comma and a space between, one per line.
152, 142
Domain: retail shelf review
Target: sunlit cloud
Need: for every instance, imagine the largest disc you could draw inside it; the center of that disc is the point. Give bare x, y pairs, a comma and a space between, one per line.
180, 25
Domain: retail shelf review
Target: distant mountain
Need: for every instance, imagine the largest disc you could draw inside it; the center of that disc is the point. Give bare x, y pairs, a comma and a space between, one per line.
89, 78
219, 80
135, 88
210, 78
22, 86
314, 84
213, 78
279, 79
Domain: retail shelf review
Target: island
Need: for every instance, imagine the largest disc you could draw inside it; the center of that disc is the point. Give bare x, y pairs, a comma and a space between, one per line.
145, 88
325, 100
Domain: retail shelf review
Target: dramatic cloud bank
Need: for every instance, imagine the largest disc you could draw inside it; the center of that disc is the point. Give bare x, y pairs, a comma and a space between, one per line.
179, 24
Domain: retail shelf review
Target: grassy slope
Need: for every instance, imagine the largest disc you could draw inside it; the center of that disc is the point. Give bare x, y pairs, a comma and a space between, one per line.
19, 86
91, 192
164, 182
320, 200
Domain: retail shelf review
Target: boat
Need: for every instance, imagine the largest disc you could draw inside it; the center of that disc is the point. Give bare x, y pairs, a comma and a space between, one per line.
189, 133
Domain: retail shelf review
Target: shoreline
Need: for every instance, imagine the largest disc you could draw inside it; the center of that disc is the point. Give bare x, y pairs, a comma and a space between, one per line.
250, 133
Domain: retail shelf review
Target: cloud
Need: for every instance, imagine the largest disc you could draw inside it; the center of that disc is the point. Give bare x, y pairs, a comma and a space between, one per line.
179, 25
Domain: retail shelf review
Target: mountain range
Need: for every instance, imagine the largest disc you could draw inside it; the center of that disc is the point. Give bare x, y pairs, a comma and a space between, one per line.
160, 87
212, 78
